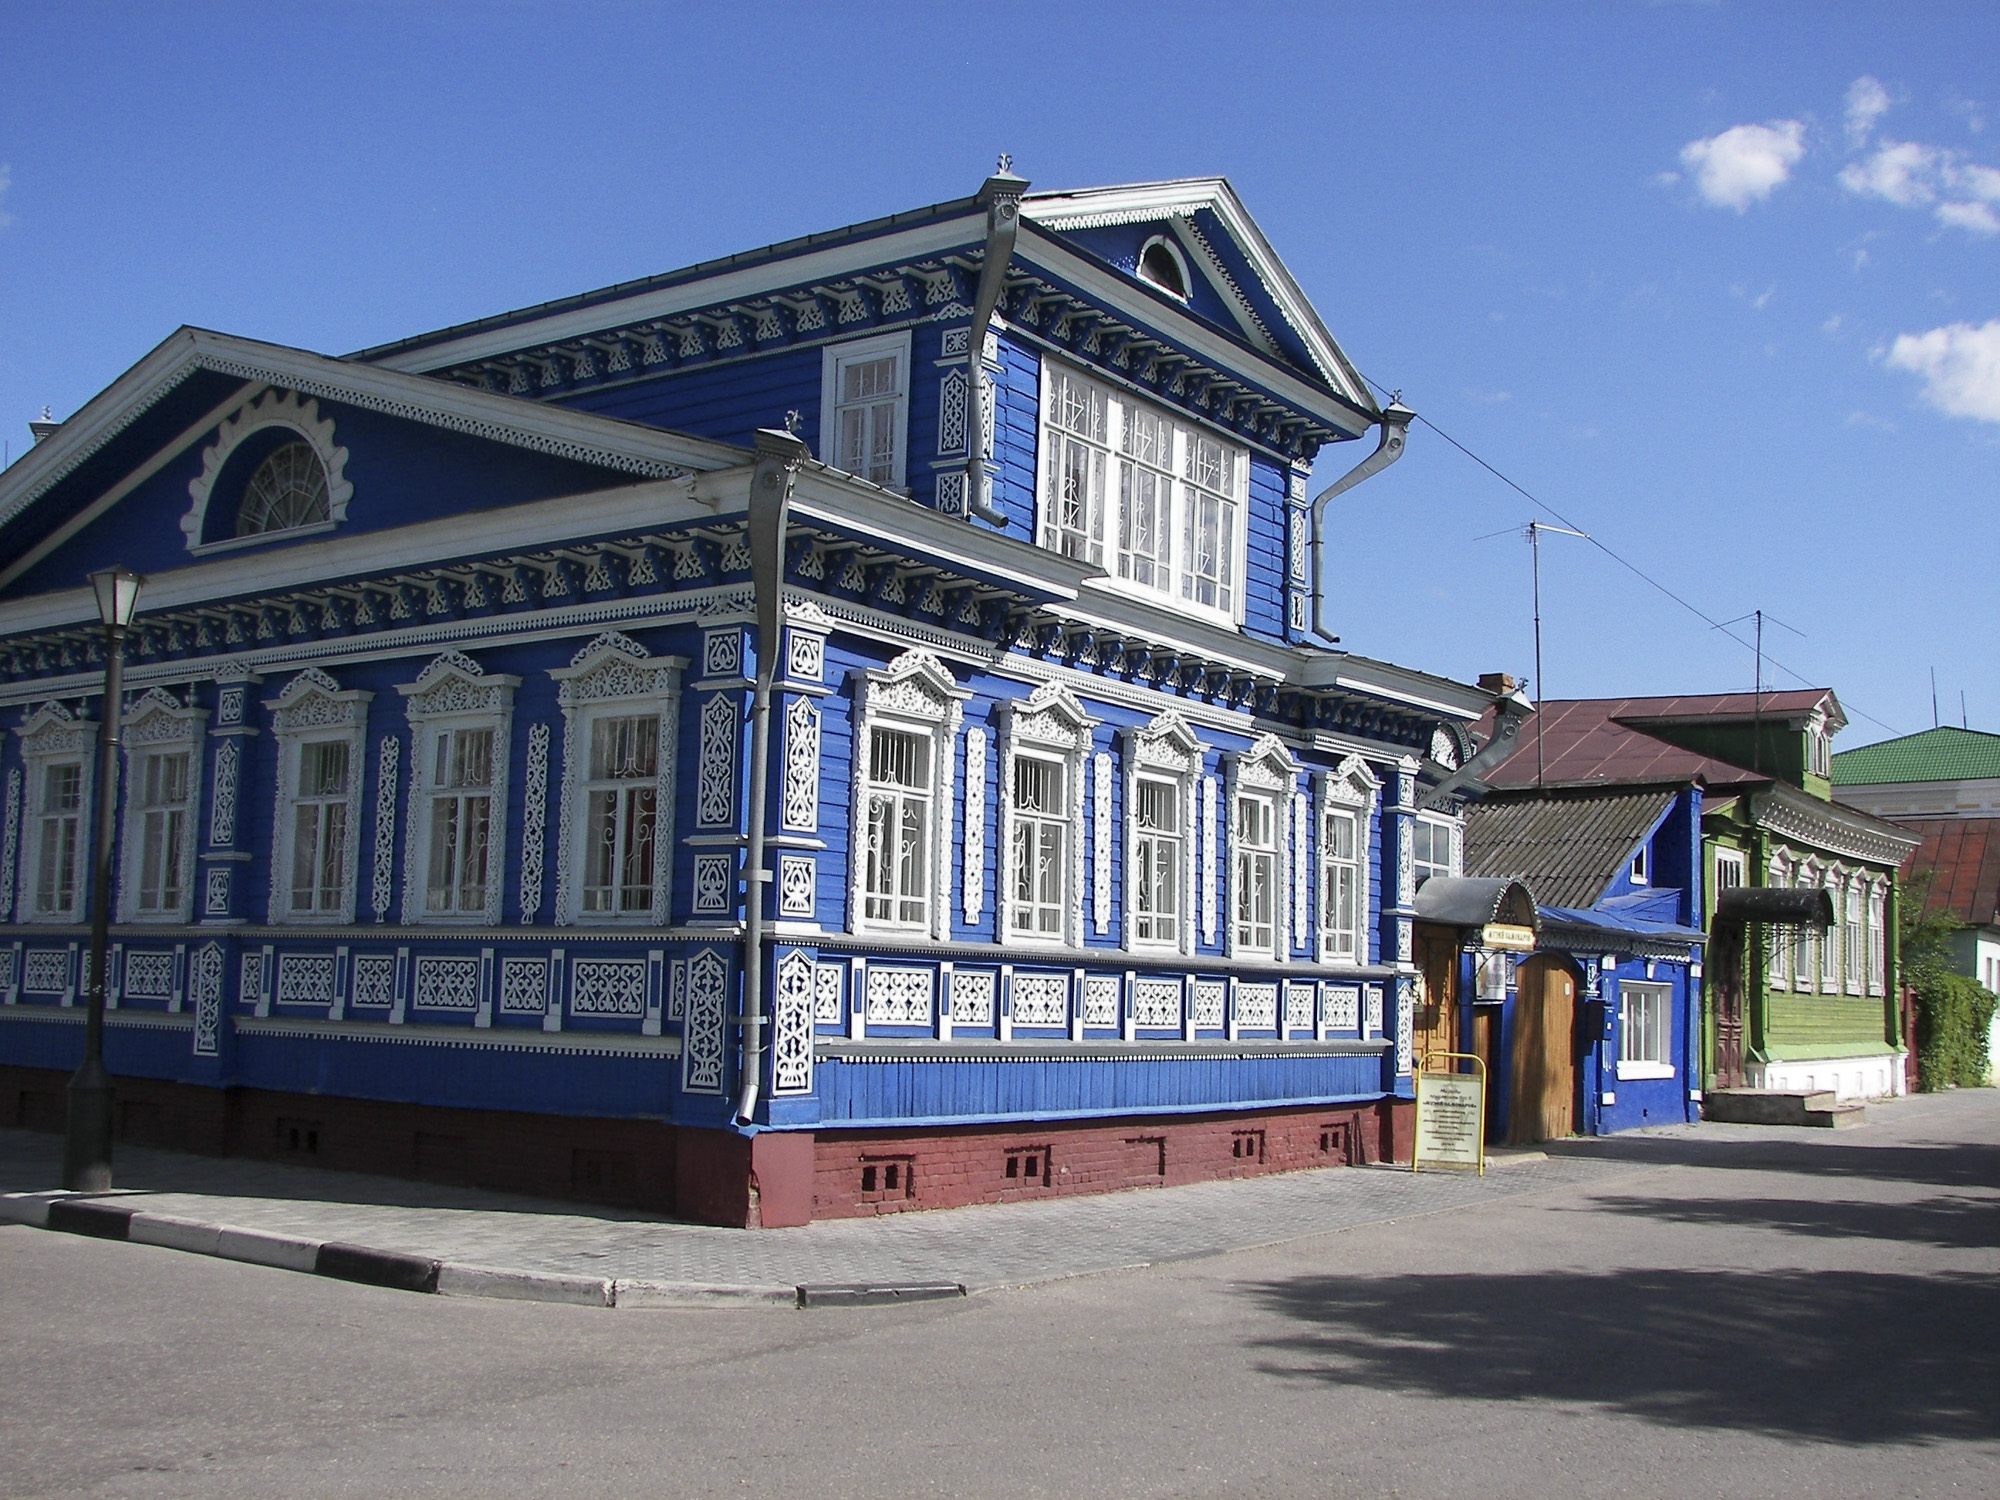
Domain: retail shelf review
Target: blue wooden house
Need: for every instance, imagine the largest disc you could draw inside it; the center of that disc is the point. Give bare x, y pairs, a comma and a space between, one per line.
1598, 1029
1087, 864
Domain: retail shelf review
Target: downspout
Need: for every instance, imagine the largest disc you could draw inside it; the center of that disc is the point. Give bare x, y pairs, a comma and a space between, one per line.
1001, 193
1395, 422
1510, 712
777, 467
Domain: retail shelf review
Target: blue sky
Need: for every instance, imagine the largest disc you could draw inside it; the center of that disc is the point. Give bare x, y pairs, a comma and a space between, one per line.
1719, 283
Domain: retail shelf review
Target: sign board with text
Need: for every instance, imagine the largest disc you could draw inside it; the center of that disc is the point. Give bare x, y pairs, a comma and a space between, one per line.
1451, 1115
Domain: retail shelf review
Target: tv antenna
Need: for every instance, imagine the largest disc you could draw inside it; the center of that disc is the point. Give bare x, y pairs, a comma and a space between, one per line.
1757, 703
1532, 531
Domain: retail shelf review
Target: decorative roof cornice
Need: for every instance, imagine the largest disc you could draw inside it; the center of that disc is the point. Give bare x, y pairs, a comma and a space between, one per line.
1827, 826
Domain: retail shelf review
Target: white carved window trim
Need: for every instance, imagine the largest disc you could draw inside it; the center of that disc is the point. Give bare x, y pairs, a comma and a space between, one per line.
915, 694
1164, 749
1266, 770
1805, 947
55, 736
860, 351
312, 709
155, 724
1051, 725
1350, 789
455, 693
1102, 447
1834, 882
1878, 937
272, 409
1778, 940
611, 677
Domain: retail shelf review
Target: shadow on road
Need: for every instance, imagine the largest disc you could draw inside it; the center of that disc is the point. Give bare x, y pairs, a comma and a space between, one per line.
1949, 1222
1835, 1357
1946, 1164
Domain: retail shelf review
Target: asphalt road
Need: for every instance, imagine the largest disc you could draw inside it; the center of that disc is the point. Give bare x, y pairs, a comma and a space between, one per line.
1762, 1313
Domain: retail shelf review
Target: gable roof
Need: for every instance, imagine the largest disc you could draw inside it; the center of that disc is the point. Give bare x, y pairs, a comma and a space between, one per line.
1568, 845
1963, 857
191, 353
1945, 753
1594, 741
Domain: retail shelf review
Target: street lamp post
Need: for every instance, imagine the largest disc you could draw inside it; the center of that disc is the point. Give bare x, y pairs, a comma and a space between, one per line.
87, 1150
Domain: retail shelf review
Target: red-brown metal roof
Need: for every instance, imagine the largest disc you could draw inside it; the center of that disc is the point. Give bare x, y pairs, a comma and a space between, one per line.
1584, 740
1964, 853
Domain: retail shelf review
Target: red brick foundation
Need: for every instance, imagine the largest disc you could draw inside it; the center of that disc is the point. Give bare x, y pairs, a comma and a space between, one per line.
888, 1171
772, 1180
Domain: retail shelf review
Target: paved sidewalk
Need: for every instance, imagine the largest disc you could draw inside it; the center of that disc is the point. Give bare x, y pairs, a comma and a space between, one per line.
980, 1248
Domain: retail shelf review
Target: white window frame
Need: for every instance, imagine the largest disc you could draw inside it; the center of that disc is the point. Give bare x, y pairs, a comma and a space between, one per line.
313, 709
1853, 937
158, 725
1163, 750
915, 694
1180, 260
614, 677
1268, 772
1350, 790
1641, 870
451, 695
1878, 938
1729, 859
272, 409
1101, 536
1778, 941
1658, 1061
1451, 829
1049, 724
859, 351
53, 736
1805, 947
1828, 946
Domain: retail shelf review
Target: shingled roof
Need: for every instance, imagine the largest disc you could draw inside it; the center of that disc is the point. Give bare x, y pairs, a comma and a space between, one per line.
1963, 855
1945, 753
1567, 844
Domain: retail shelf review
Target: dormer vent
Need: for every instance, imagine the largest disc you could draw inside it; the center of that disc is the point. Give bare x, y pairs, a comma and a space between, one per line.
1160, 263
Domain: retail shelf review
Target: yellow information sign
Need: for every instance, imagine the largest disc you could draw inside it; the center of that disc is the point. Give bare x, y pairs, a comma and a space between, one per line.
1451, 1115
1506, 936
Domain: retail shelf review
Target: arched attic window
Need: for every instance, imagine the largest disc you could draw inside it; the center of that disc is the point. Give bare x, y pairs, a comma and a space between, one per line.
1161, 264
287, 489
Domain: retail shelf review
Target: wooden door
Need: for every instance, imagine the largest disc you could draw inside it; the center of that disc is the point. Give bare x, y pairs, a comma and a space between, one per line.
1434, 1027
1543, 1106
1725, 977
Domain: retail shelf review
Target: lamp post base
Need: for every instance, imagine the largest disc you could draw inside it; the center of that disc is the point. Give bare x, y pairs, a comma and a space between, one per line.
87, 1148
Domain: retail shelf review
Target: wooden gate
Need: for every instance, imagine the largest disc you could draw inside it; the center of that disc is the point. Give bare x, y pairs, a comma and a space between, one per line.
1543, 1101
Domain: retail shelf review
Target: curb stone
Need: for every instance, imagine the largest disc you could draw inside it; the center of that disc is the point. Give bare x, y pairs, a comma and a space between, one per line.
399, 1271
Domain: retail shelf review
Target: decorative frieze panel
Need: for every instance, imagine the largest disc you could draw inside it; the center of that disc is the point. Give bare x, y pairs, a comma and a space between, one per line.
1299, 997
250, 979
1100, 842
222, 811
829, 990
1210, 999
1371, 1014
448, 984
149, 976
974, 840
10, 844
1405, 1023
1257, 1006
805, 655
215, 897
702, 1035
46, 971
901, 997
1343, 1007
607, 987
797, 882
1156, 1003
972, 998
715, 771
534, 821
802, 739
722, 653
1211, 836
1301, 870
383, 862
1101, 994
1039, 1000
792, 1025
205, 990
305, 979
374, 981
714, 885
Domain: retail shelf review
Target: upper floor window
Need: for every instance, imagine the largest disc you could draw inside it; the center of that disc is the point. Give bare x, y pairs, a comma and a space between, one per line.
1642, 865
319, 730
1158, 504
1819, 751
619, 705
1728, 870
865, 407
56, 751
1431, 850
287, 490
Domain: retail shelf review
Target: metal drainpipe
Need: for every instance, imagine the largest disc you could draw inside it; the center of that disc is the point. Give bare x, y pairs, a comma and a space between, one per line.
1001, 193
1509, 714
1395, 422
777, 467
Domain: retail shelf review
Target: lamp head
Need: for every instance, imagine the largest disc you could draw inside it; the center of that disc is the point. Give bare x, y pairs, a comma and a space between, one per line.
117, 589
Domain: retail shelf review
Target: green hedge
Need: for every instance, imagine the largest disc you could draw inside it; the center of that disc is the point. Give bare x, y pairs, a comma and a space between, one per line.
1953, 1014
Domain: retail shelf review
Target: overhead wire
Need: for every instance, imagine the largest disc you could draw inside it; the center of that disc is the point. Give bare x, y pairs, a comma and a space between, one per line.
1624, 562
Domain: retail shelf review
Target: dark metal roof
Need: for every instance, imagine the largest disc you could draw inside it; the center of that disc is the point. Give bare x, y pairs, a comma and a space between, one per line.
1463, 901
1592, 741
1568, 845
1962, 855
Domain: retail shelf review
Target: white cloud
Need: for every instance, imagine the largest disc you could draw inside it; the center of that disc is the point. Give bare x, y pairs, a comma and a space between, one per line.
1745, 163
1960, 365
6, 181
1974, 218
1867, 102
1900, 172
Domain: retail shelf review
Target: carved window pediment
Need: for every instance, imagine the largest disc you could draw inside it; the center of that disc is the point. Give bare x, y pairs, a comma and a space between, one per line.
159, 718
53, 730
1167, 743
616, 666
1049, 716
915, 683
456, 684
1267, 765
